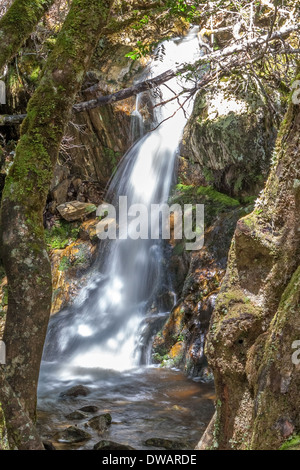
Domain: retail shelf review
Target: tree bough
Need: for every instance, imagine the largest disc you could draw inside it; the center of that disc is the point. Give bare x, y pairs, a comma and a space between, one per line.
25, 14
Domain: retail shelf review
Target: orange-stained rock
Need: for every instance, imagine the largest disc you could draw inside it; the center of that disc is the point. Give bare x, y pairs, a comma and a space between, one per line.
69, 267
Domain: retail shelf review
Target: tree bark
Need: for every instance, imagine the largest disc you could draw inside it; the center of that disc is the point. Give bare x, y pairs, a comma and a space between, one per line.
256, 319
24, 196
17, 25
21, 430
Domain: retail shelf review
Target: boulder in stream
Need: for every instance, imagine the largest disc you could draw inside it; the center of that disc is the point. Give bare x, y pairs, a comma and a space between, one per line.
100, 423
111, 445
72, 435
89, 409
48, 445
76, 415
76, 391
169, 444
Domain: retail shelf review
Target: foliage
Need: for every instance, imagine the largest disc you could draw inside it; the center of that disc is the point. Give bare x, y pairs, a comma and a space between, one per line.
61, 234
292, 443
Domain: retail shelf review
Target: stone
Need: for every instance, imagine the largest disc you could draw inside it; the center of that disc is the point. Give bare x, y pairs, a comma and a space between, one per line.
168, 444
60, 193
228, 141
88, 230
48, 445
76, 415
72, 435
75, 210
76, 391
89, 409
69, 267
111, 445
60, 174
100, 423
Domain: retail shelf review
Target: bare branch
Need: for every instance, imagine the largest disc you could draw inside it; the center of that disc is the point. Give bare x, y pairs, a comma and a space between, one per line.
12, 120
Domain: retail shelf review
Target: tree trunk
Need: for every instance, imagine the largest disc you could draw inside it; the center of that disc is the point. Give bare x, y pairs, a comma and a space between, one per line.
16, 428
24, 252
256, 319
17, 24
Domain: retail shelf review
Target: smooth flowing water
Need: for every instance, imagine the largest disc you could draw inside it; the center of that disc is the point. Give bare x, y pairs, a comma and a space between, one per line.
104, 337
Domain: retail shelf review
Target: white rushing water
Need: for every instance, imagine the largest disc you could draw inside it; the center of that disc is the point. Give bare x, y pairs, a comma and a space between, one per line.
102, 328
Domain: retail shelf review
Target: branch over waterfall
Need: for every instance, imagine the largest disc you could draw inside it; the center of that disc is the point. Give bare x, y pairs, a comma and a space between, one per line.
220, 58
219, 63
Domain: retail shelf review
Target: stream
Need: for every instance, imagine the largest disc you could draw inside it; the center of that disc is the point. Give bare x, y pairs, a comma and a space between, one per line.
144, 403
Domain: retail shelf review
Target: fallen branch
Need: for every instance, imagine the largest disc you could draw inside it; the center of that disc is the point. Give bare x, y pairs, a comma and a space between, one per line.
12, 120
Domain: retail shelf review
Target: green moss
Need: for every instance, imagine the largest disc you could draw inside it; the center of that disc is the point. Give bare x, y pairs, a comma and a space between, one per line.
292, 443
217, 427
179, 249
183, 187
216, 196
25, 14
61, 235
34, 76
111, 158
189, 194
65, 264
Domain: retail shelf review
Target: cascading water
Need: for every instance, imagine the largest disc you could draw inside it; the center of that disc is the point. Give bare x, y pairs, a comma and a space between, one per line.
101, 329
104, 337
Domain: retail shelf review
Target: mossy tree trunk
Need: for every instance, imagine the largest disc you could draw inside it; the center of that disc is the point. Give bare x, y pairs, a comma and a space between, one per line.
16, 428
23, 248
256, 319
17, 24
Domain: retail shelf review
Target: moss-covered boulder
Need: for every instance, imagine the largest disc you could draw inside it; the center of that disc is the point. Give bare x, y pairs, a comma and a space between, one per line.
229, 139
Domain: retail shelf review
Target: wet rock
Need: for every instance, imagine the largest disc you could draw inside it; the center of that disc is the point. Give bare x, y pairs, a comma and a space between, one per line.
100, 423
48, 445
180, 343
88, 230
74, 392
75, 210
169, 444
89, 409
76, 415
72, 435
68, 271
111, 445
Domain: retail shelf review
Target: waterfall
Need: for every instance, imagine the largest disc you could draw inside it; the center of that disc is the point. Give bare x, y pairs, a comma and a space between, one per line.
104, 326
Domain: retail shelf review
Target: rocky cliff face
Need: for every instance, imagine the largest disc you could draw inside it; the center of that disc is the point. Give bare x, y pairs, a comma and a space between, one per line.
255, 323
230, 137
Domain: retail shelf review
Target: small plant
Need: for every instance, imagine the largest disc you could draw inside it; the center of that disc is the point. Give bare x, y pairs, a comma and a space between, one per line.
61, 235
